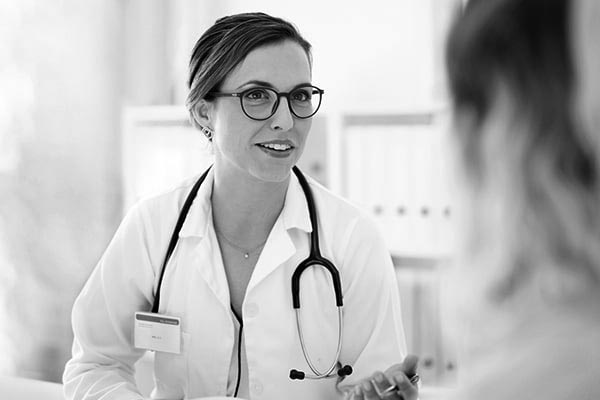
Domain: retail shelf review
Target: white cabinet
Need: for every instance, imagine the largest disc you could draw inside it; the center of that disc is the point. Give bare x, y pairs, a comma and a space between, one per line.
395, 166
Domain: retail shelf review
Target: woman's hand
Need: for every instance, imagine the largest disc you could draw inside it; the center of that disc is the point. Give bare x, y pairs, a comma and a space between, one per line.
393, 384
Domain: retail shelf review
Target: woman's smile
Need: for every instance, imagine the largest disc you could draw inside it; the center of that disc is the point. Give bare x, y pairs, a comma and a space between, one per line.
277, 148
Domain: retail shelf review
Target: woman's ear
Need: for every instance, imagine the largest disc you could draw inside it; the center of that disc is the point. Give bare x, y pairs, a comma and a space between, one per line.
201, 114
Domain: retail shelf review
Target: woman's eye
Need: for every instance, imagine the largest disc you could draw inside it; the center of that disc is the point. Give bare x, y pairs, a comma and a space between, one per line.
257, 94
301, 95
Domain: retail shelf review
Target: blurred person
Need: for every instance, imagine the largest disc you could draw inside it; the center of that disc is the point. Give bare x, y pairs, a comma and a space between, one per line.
526, 135
214, 259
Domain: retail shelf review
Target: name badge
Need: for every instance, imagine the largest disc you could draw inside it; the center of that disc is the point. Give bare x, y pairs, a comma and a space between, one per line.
157, 332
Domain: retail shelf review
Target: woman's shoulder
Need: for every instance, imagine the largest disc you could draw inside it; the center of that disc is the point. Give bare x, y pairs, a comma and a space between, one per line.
171, 198
158, 212
332, 201
338, 212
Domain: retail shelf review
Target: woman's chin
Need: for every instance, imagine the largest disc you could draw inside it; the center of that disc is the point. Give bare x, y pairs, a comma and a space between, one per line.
278, 175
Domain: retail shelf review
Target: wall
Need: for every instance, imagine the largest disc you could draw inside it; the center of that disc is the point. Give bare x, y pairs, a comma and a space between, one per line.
61, 192
375, 56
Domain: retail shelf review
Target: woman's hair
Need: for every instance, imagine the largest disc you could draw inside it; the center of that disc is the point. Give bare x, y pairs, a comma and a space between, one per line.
225, 44
586, 45
533, 174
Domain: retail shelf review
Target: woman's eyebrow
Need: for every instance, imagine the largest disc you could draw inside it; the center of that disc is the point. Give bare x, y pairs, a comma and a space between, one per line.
267, 84
256, 82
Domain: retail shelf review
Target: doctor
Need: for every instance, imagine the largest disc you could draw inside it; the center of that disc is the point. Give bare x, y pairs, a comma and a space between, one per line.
224, 274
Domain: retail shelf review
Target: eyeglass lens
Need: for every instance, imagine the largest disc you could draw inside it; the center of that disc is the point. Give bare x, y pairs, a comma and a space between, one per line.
262, 103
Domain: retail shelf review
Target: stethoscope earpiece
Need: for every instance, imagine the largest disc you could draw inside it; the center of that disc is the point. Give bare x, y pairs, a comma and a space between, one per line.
295, 374
345, 371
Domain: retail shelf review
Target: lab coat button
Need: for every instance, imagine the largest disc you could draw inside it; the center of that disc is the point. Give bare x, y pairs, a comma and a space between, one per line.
251, 310
257, 388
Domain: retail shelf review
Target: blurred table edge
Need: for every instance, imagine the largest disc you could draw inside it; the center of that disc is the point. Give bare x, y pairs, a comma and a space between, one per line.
15, 388
435, 393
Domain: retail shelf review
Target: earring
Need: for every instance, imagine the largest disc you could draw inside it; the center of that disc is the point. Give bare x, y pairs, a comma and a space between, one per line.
207, 132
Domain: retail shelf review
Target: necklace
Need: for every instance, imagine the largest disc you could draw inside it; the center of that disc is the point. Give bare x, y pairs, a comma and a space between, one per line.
245, 252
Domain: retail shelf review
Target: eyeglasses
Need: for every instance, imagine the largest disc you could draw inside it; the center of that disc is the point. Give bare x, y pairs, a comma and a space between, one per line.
260, 103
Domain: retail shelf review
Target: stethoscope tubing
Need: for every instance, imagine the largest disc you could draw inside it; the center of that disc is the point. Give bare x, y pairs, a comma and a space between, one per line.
175, 237
329, 372
314, 259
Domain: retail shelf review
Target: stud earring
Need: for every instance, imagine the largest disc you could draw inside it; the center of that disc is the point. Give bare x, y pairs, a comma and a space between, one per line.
207, 132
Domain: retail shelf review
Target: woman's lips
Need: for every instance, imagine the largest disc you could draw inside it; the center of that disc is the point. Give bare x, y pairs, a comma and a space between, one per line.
279, 149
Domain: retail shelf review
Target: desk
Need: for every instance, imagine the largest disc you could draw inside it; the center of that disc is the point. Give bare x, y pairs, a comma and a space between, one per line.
29, 389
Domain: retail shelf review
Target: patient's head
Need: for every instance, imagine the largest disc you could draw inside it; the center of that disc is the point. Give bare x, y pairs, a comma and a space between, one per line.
532, 234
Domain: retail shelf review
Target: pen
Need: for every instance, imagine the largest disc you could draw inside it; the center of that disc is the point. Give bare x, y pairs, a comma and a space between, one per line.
413, 378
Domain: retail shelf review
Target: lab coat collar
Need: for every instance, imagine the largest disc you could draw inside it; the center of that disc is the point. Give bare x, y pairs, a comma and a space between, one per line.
294, 214
278, 249
280, 246
197, 221
295, 209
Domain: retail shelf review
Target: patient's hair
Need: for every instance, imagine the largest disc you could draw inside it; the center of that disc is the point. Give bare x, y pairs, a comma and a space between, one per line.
531, 170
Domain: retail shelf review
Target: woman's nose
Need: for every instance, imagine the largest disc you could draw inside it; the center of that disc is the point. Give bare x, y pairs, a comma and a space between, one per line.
282, 120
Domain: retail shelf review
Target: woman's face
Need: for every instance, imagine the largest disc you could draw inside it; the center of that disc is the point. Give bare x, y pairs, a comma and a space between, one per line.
265, 150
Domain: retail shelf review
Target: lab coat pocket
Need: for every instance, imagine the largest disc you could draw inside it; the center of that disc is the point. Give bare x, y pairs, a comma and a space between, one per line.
171, 371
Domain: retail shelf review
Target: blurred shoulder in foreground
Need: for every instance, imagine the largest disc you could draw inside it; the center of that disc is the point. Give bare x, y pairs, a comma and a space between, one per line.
525, 90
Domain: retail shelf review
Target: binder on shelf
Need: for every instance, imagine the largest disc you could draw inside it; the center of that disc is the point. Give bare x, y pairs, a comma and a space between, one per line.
394, 168
354, 167
401, 189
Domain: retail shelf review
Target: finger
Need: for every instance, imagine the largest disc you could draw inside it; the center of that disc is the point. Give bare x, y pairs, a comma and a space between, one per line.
407, 390
408, 367
355, 394
369, 390
410, 364
385, 387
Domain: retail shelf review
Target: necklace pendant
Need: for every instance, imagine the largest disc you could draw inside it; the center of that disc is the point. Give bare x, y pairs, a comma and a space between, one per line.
246, 255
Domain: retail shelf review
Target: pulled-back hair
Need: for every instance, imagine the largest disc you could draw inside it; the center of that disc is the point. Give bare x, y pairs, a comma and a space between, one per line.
225, 44
533, 173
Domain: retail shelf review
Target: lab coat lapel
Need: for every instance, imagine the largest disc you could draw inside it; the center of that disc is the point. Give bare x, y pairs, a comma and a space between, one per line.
278, 249
207, 258
279, 246
205, 254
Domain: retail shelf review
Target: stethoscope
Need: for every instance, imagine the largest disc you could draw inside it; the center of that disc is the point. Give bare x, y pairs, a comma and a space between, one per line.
314, 259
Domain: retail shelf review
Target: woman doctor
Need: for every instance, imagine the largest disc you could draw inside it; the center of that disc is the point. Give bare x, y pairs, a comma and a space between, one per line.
227, 282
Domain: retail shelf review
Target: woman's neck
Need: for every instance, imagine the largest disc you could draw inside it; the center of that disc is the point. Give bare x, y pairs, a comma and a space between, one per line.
245, 208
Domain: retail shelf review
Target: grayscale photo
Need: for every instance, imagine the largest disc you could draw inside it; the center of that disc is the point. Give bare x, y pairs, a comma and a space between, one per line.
272, 200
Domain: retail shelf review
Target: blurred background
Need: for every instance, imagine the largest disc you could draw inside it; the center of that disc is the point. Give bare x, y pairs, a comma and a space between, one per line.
92, 118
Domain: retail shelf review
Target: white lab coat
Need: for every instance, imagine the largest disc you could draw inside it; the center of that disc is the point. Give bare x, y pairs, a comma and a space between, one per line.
195, 289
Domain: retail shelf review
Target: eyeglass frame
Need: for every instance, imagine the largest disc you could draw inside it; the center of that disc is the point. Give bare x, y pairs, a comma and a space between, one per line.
240, 95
